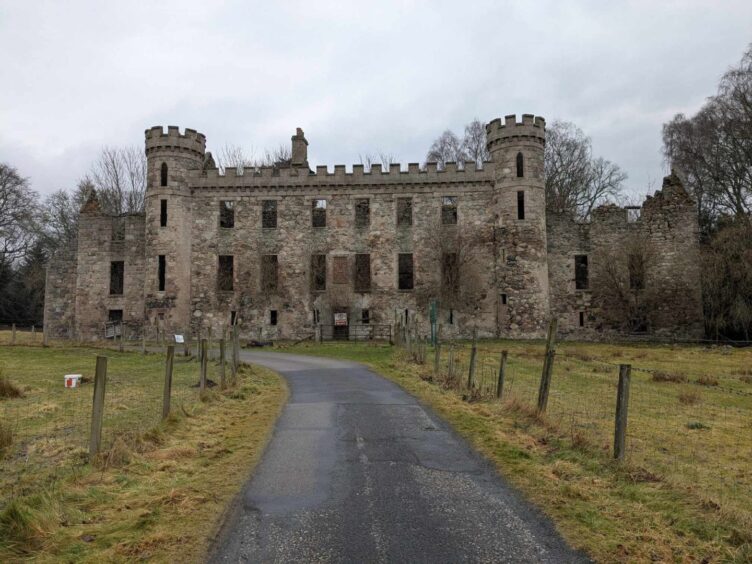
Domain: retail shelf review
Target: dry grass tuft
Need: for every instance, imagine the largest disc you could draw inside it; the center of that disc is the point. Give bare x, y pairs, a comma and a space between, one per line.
669, 377
8, 389
6, 436
746, 379
707, 381
689, 397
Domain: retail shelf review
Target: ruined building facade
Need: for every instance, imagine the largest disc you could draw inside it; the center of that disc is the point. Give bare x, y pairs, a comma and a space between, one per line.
281, 249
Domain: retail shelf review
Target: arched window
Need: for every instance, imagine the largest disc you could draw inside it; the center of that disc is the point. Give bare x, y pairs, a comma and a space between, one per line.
163, 181
520, 165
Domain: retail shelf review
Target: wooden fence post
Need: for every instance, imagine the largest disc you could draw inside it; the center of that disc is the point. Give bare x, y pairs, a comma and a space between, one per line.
222, 382
473, 359
202, 357
437, 352
168, 381
450, 363
502, 374
33, 333
622, 405
143, 339
548, 366
235, 352
97, 410
13, 333
120, 339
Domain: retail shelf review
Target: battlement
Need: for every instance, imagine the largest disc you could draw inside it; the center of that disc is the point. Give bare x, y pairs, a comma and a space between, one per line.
531, 126
191, 140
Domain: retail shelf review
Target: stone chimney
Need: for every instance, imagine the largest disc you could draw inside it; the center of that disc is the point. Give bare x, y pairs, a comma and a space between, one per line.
299, 149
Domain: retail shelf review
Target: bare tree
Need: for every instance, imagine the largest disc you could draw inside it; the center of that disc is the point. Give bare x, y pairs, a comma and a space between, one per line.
234, 156
446, 148
474, 146
18, 215
382, 158
119, 176
60, 213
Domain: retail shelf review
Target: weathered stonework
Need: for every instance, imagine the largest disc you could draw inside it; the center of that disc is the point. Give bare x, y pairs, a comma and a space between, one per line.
523, 266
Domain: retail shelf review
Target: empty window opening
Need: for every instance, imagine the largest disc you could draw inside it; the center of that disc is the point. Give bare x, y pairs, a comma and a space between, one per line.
269, 214
365, 316
407, 316
520, 165
163, 213
118, 229
117, 275
504, 299
316, 317
405, 276
404, 212
581, 275
362, 272
163, 175
318, 273
451, 317
582, 319
362, 213
225, 273
269, 273
449, 210
161, 272
318, 213
115, 315
521, 204
633, 213
273, 317
450, 273
227, 214
233, 317
636, 272
340, 274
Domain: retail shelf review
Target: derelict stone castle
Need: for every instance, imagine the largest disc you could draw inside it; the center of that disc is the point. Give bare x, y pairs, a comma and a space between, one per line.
281, 249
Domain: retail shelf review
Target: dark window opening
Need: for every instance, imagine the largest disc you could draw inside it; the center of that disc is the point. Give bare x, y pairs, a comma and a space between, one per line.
581, 272
316, 317
504, 299
407, 316
117, 275
340, 273
269, 273
233, 317
450, 273
225, 274
520, 165
449, 210
362, 213
365, 316
362, 273
273, 317
451, 317
163, 213
318, 213
521, 204
318, 273
227, 214
636, 272
269, 214
163, 175
405, 276
161, 271
404, 211
582, 319
115, 315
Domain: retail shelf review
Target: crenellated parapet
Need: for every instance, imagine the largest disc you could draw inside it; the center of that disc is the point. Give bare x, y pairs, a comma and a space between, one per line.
531, 128
191, 141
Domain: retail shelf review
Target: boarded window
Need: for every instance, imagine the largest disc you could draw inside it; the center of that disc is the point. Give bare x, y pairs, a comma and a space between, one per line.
520, 165
405, 275
161, 272
581, 275
163, 213
273, 317
450, 273
521, 204
225, 273
362, 273
318, 273
636, 272
117, 275
269, 214
362, 213
449, 210
227, 214
365, 316
318, 213
163, 175
269, 273
339, 271
404, 211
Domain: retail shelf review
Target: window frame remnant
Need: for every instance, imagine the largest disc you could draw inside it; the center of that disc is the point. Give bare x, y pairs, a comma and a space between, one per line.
225, 273
449, 210
227, 214
404, 212
269, 214
362, 213
318, 273
115, 315
117, 277
318, 212
405, 271
581, 272
362, 273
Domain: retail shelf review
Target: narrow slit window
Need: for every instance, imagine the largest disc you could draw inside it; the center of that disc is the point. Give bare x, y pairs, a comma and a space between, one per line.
161, 272
521, 204
318, 273
269, 273
581, 275
163, 175
362, 272
520, 165
449, 210
316, 317
117, 276
225, 274
404, 212
405, 276
269, 214
362, 213
227, 214
318, 213
163, 213
582, 319
451, 317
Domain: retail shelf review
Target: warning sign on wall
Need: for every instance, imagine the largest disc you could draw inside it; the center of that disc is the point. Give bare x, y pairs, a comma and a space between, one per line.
340, 319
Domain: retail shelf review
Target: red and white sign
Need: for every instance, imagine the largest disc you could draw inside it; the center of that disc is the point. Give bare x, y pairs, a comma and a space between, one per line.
72, 380
340, 319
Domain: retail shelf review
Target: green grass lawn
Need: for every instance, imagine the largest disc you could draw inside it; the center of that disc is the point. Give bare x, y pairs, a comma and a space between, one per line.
685, 490
158, 489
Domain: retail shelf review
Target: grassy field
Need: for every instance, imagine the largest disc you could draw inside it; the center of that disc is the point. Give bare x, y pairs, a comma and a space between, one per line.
685, 490
158, 490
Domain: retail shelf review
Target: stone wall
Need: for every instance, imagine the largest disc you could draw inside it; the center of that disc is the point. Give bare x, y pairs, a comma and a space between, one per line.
60, 295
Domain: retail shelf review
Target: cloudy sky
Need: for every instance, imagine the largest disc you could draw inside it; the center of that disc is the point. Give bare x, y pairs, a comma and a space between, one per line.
357, 77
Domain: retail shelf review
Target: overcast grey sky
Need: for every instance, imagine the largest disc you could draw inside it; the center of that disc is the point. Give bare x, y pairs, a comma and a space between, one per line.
357, 77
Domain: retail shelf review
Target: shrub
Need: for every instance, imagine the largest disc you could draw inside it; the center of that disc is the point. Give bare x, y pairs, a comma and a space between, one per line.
707, 381
696, 425
689, 397
669, 377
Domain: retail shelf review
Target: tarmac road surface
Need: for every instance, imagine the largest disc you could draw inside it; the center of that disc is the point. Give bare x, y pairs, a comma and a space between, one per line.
358, 471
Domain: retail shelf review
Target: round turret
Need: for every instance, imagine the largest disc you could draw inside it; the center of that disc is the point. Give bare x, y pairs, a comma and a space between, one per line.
172, 156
